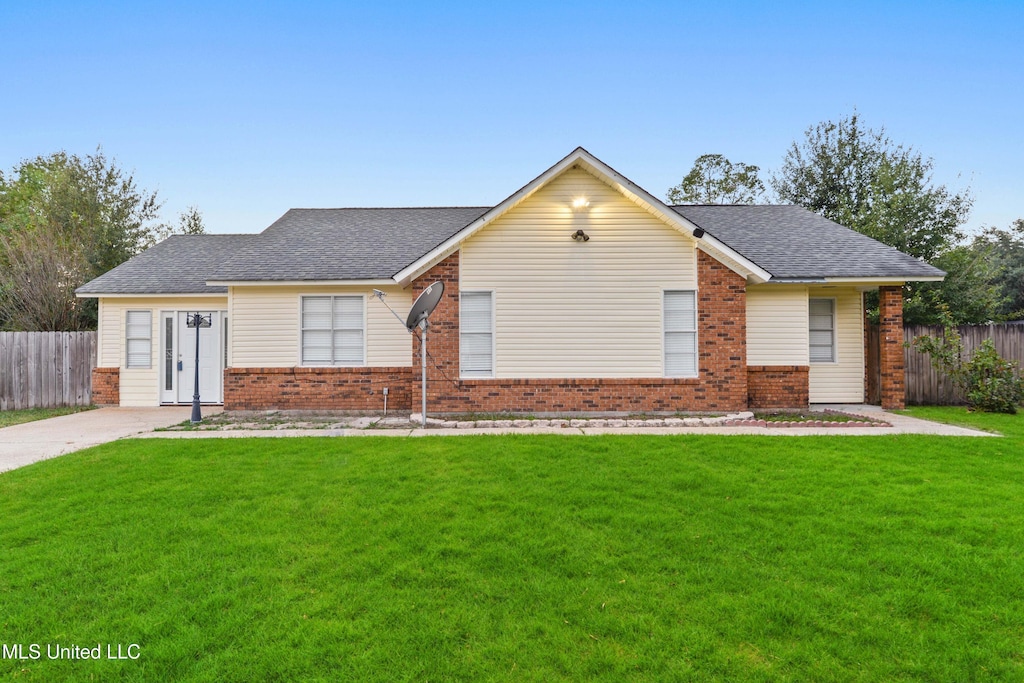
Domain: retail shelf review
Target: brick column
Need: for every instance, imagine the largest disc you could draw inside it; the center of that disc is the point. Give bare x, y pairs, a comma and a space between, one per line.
721, 336
890, 319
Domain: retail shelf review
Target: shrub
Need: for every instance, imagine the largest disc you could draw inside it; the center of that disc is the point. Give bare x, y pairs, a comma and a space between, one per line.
989, 382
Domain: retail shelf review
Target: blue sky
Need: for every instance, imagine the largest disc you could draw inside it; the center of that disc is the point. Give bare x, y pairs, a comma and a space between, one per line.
248, 109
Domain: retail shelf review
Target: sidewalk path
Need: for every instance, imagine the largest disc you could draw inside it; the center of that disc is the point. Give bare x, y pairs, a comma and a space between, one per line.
30, 442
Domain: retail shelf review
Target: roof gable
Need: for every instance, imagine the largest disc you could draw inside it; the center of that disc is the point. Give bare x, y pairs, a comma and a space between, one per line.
581, 158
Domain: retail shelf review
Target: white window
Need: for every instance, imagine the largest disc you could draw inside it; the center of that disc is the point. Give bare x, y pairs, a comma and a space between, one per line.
822, 317
476, 334
680, 333
138, 332
332, 330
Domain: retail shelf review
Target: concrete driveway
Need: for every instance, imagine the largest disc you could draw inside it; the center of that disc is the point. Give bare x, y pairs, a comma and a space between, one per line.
33, 441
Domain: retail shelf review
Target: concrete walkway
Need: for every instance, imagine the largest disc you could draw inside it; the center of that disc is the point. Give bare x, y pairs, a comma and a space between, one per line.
902, 424
31, 442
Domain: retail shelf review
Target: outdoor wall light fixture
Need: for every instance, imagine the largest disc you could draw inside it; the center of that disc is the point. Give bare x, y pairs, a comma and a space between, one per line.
698, 232
581, 236
580, 204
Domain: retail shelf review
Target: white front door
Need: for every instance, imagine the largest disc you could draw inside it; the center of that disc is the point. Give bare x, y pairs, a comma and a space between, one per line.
179, 366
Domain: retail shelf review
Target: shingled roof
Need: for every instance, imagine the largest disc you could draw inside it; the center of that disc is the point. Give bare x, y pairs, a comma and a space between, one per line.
793, 243
789, 242
181, 264
343, 244
774, 243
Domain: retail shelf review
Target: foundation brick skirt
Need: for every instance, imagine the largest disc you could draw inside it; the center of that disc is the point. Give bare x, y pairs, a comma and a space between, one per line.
778, 386
326, 388
575, 395
106, 386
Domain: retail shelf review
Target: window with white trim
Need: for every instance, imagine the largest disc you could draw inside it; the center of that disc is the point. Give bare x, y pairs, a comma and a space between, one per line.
476, 334
822, 327
332, 330
680, 316
138, 333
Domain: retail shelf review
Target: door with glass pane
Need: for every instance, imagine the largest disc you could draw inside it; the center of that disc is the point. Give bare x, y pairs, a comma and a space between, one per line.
179, 358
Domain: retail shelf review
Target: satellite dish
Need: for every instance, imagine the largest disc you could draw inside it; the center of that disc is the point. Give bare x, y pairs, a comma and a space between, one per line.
425, 304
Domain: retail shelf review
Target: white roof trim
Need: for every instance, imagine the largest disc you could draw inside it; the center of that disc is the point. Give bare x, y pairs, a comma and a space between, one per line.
883, 280
302, 283
734, 260
151, 295
718, 250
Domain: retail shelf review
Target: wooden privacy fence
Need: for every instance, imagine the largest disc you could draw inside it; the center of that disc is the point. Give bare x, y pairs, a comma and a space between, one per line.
927, 386
46, 369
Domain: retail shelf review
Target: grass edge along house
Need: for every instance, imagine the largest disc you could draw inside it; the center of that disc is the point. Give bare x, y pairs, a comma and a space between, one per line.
579, 292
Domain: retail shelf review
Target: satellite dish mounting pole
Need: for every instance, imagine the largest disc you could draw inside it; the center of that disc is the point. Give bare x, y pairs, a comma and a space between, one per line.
424, 305
423, 357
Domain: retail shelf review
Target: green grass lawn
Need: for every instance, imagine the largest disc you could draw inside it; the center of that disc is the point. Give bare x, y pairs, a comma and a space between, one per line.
15, 417
535, 558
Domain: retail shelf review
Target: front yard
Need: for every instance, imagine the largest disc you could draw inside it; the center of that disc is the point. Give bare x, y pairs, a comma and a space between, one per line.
538, 558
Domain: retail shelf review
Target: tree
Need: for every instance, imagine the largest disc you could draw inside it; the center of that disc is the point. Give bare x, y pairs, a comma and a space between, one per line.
1005, 251
65, 219
190, 222
716, 180
969, 294
860, 178
39, 277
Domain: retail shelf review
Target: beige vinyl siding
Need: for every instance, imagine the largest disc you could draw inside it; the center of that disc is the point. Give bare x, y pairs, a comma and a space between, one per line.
777, 332
388, 343
265, 329
578, 309
842, 381
109, 335
141, 386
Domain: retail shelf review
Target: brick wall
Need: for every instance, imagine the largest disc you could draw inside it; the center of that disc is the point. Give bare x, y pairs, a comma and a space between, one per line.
106, 386
720, 386
722, 359
326, 388
891, 362
778, 386
721, 336
564, 395
442, 342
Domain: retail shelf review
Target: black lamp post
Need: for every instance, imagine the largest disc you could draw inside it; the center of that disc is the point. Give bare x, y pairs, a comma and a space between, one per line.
198, 320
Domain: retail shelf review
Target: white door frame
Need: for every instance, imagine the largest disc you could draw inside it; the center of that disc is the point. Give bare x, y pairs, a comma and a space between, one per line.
170, 335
